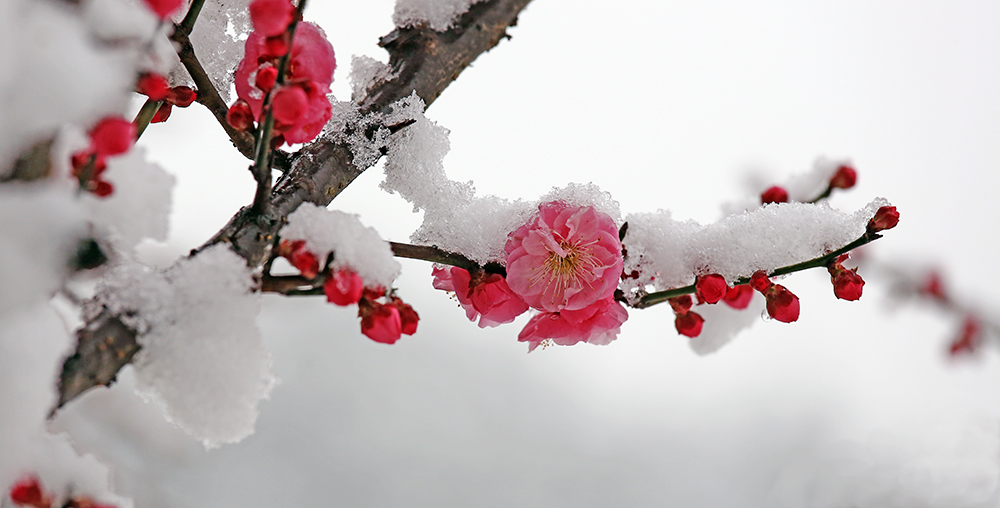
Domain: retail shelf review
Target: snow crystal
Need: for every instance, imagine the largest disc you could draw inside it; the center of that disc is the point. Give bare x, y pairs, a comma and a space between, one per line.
353, 244
218, 38
365, 72
669, 254
202, 355
53, 70
437, 14
41, 226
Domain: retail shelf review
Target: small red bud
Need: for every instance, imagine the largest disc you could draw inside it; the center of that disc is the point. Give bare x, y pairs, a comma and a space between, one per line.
407, 316
162, 114
163, 8
112, 136
240, 116
689, 324
711, 288
782, 304
343, 287
153, 86
181, 96
101, 188
373, 294
267, 74
381, 323
28, 492
760, 282
968, 340
885, 218
774, 195
934, 286
847, 284
738, 297
681, 304
844, 178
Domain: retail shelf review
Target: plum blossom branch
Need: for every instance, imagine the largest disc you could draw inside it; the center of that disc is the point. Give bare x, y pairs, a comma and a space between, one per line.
421, 61
651, 299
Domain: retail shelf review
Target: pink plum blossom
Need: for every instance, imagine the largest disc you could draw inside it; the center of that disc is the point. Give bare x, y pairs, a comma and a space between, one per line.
566, 258
301, 108
598, 323
483, 295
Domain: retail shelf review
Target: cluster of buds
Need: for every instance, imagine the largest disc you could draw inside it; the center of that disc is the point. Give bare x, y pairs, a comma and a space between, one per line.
384, 318
847, 284
111, 136
844, 177
687, 321
157, 88
28, 492
298, 101
782, 304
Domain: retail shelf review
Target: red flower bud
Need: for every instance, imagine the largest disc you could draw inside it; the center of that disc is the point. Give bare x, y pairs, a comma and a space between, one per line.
968, 340
711, 288
271, 17
28, 492
267, 74
934, 286
760, 282
163, 113
774, 195
239, 116
689, 324
782, 305
300, 257
163, 8
343, 287
275, 47
101, 188
885, 218
847, 284
738, 297
112, 136
153, 86
373, 293
844, 178
181, 96
681, 304
381, 323
408, 317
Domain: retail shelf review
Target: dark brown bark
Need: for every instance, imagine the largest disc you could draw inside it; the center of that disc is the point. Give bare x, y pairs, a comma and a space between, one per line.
420, 59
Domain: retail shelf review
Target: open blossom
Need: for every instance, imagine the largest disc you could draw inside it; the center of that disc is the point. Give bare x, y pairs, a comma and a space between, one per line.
566, 258
598, 323
483, 295
301, 107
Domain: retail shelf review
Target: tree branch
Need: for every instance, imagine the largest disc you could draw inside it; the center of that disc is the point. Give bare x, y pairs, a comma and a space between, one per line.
421, 60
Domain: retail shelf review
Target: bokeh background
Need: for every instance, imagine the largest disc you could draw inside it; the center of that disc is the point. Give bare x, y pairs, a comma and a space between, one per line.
676, 105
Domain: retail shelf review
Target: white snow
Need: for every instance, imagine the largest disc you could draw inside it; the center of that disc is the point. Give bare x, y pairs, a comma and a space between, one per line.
365, 72
353, 244
202, 355
669, 254
218, 39
437, 14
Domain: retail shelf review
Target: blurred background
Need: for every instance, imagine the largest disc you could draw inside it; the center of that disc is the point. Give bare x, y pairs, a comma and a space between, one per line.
676, 105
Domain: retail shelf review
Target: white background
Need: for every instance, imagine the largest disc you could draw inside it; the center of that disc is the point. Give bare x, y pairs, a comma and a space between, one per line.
673, 105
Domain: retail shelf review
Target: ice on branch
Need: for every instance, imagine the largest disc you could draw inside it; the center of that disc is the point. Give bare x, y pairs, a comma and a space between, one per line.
439, 15
353, 244
668, 254
455, 219
202, 354
365, 72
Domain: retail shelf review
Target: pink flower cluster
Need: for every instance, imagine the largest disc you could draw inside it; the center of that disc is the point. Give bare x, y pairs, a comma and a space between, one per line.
384, 318
298, 103
566, 263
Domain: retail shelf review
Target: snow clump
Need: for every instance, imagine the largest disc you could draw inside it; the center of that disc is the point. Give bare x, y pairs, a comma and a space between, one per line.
439, 15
